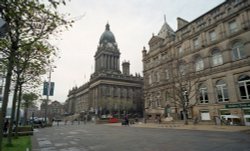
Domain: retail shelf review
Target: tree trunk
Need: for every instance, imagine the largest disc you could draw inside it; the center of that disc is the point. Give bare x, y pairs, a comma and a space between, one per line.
13, 111
25, 112
18, 107
6, 93
185, 116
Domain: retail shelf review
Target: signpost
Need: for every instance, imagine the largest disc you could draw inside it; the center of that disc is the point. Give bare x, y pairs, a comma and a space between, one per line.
46, 88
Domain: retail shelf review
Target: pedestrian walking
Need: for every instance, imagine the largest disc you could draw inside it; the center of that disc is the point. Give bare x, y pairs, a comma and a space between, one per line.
159, 119
126, 120
85, 118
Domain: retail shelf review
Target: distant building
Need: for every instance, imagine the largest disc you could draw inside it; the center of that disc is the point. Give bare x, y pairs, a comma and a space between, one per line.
32, 111
109, 91
215, 49
55, 110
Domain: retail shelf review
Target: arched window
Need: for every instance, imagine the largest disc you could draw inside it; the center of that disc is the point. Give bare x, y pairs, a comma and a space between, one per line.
199, 65
222, 92
244, 87
238, 51
203, 93
216, 57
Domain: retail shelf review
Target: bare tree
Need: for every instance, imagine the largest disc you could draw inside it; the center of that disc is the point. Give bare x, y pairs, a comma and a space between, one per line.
183, 87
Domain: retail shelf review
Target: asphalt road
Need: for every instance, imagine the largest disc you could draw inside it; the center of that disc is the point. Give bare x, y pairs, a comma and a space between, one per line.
91, 137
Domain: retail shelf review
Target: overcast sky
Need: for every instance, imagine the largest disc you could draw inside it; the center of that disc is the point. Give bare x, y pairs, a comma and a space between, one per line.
132, 23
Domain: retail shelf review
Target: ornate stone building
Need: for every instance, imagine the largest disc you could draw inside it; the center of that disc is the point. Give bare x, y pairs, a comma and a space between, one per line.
55, 111
109, 91
202, 68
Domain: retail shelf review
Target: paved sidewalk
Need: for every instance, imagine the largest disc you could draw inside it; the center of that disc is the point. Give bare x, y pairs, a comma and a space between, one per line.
84, 137
190, 127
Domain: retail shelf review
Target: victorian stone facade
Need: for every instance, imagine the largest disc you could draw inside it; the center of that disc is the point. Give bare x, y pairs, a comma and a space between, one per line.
202, 68
109, 91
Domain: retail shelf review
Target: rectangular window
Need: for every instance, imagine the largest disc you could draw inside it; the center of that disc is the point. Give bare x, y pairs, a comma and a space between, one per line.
205, 116
166, 74
225, 112
158, 77
203, 95
232, 27
244, 89
217, 59
182, 69
196, 43
222, 93
199, 65
180, 50
212, 36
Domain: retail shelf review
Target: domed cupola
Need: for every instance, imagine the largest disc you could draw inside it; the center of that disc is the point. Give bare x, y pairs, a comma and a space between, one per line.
107, 36
107, 56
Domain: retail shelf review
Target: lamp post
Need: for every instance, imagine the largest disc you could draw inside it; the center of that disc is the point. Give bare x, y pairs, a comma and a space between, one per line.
48, 93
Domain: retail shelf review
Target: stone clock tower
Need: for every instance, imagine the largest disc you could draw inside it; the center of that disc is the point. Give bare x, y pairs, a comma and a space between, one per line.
107, 56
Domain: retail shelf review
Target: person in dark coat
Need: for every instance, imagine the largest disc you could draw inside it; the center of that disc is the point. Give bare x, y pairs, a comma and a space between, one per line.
126, 120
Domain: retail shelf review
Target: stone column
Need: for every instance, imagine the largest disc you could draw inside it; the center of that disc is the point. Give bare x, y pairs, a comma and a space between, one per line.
107, 61
211, 92
98, 63
112, 62
232, 86
222, 31
104, 61
118, 63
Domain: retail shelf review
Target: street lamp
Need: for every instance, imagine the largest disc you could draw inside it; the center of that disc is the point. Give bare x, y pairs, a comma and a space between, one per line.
50, 89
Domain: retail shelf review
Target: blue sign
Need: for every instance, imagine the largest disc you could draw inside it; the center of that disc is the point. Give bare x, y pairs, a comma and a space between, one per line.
46, 87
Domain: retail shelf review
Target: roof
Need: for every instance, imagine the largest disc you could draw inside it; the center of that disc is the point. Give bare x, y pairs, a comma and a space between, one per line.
166, 31
107, 36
